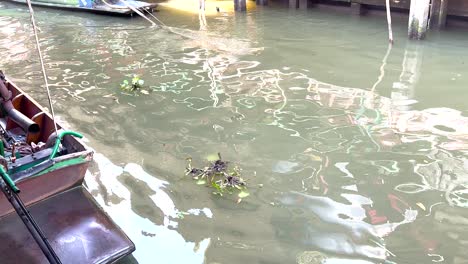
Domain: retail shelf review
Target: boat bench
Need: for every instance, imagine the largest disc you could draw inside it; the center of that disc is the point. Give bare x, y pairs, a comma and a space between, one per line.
78, 230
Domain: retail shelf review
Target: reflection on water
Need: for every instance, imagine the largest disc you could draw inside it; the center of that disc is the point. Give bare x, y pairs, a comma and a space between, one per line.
152, 218
337, 228
342, 168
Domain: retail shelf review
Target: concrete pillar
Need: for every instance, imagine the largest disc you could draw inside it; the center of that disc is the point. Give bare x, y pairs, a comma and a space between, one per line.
358, 9
303, 4
262, 2
293, 4
438, 14
240, 5
418, 19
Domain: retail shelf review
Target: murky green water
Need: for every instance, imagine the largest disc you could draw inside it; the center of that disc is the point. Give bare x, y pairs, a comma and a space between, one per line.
362, 156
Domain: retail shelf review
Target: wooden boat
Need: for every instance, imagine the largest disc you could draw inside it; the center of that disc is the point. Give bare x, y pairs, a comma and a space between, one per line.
50, 177
104, 7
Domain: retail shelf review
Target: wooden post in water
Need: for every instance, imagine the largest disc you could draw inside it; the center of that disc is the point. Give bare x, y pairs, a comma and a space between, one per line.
358, 9
438, 14
418, 19
240, 5
303, 4
262, 2
293, 4
389, 22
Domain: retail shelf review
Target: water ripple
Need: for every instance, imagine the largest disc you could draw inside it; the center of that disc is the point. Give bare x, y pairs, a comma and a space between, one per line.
348, 173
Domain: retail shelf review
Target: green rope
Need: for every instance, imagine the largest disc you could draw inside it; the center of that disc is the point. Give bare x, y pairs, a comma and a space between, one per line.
2, 149
60, 136
59, 139
8, 180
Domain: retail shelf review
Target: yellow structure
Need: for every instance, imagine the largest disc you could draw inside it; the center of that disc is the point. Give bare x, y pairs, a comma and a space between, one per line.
192, 6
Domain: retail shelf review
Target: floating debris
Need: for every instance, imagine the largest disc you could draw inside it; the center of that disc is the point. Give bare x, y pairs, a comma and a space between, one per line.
311, 257
181, 215
133, 85
219, 176
421, 206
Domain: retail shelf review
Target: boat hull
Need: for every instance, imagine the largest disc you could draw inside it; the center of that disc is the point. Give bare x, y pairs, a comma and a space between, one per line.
51, 185
68, 171
40, 187
99, 9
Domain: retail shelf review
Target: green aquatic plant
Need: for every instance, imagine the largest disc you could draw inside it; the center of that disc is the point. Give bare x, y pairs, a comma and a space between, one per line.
311, 257
219, 175
134, 84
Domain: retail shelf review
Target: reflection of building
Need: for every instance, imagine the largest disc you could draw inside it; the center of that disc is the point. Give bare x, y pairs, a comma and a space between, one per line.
320, 223
445, 173
365, 144
391, 126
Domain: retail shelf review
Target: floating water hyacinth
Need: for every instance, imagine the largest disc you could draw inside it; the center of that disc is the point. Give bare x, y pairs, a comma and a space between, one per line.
135, 84
219, 176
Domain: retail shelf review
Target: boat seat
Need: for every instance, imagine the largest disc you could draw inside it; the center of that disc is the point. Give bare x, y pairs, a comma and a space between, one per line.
78, 230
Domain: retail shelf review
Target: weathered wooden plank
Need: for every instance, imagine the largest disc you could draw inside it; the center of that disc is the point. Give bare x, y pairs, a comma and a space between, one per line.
404, 4
458, 8
454, 7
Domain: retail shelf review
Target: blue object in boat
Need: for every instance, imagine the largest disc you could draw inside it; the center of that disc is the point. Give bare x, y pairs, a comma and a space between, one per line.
86, 3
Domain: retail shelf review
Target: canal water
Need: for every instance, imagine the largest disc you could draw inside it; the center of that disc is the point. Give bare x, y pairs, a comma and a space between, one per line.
352, 152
